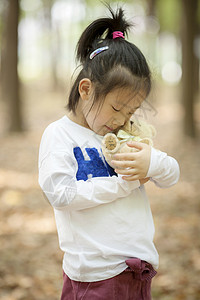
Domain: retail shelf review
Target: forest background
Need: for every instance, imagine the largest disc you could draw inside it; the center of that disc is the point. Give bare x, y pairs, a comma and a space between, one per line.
37, 43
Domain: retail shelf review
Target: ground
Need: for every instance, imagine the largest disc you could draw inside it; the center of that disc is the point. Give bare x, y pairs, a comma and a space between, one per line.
30, 265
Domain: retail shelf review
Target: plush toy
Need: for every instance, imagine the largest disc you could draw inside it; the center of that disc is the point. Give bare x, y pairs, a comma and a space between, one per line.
134, 130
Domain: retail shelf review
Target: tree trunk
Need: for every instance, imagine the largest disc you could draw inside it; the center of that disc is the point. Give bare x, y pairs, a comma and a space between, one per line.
151, 7
189, 27
54, 44
10, 80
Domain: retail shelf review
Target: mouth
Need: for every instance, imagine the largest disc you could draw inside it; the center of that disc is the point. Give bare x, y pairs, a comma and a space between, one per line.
109, 128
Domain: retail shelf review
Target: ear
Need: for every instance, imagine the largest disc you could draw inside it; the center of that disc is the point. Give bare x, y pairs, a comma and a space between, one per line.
85, 88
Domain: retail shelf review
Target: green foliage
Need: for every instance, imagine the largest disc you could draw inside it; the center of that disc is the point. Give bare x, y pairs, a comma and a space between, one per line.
169, 14
98, 2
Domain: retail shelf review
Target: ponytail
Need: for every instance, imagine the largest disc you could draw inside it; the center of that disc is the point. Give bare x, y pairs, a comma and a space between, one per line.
119, 64
103, 27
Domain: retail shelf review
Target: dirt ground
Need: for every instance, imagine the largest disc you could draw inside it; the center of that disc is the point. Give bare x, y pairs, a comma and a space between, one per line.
30, 259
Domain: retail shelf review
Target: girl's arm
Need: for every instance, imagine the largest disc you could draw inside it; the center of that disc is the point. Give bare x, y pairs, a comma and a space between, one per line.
162, 169
57, 178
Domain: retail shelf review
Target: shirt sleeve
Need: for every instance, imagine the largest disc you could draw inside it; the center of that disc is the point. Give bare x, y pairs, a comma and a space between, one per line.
164, 170
57, 178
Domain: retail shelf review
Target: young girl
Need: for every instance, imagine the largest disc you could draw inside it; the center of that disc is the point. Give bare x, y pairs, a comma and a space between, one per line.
103, 216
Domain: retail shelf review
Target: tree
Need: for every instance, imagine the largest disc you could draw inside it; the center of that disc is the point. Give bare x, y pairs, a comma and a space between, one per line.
151, 7
189, 61
9, 73
54, 43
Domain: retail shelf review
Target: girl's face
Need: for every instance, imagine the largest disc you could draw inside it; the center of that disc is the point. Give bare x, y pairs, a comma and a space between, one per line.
109, 114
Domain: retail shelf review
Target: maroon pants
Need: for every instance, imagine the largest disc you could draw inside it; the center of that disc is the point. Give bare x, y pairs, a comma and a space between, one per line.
132, 284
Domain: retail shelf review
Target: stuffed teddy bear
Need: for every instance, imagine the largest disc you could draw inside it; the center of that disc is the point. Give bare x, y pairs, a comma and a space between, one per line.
133, 130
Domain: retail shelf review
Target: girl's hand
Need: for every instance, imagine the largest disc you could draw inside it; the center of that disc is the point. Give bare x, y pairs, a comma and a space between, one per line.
134, 164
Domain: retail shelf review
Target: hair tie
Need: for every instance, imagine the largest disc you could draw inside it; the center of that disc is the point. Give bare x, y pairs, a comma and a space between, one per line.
117, 34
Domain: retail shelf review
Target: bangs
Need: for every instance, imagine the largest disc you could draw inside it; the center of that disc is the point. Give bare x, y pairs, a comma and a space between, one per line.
120, 77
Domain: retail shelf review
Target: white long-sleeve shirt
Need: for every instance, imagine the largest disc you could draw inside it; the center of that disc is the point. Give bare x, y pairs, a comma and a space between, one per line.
101, 219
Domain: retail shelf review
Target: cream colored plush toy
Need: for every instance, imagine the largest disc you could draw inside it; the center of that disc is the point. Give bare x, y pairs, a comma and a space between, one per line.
134, 130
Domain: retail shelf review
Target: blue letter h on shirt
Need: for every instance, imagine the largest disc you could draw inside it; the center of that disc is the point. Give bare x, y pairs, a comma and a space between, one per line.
95, 166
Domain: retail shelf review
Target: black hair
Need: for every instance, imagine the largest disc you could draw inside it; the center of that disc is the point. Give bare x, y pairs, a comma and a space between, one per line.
121, 65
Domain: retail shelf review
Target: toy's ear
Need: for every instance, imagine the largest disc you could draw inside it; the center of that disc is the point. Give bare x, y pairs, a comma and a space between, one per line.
153, 130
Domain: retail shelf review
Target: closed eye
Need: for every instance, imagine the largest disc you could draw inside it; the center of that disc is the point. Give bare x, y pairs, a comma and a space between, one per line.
115, 109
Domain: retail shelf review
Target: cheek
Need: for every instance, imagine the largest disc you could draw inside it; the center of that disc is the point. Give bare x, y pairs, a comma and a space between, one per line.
94, 119
106, 119
100, 118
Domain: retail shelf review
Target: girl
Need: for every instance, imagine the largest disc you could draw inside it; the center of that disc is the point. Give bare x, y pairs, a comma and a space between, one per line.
103, 216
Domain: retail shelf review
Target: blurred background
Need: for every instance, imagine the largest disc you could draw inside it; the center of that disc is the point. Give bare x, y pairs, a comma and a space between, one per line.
37, 44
